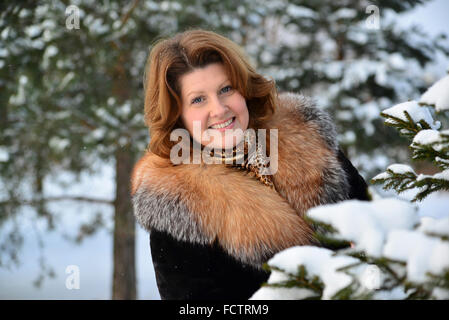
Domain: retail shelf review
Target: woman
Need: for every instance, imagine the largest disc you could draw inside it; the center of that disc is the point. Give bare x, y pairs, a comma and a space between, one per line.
213, 225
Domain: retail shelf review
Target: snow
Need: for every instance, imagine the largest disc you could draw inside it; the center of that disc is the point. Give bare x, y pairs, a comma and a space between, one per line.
434, 205
51, 51
358, 36
58, 143
427, 136
397, 293
399, 168
382, 176
4, 155
397, 61
270, 293
422, 253
416, 112
385, 227
369, 163
396, 168
300, 12
358, 71
434, 226
98, 133
440, 293
67, 78
443, 175
33, 31
437, 94
367, 223
318, 262
168, 5
3, 53
370, 111
96, 25
344, 13
441, 161
347, 137
254, 18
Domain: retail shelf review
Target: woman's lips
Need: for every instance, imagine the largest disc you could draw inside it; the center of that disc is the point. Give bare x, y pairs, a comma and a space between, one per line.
230, 126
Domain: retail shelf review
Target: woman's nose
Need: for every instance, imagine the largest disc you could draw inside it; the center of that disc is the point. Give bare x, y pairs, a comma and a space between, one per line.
218, 108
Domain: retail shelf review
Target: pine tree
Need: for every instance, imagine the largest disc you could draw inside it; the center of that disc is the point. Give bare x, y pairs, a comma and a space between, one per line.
354, 59
381, 249
413, 119
385, 251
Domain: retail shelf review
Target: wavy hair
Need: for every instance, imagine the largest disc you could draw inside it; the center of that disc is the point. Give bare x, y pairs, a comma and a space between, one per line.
172, 58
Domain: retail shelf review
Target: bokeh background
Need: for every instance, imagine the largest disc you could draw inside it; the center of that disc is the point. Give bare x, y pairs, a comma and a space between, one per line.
71, 114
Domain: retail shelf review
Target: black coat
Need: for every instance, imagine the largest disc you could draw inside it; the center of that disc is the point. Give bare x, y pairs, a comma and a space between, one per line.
186, 271
212, 227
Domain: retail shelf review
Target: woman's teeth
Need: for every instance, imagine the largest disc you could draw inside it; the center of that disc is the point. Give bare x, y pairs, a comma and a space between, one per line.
222, 125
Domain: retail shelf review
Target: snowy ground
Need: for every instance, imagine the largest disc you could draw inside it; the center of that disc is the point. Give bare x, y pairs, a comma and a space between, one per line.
93, 256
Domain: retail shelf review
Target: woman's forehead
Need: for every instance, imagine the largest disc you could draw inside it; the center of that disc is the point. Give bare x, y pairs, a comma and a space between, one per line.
202, 78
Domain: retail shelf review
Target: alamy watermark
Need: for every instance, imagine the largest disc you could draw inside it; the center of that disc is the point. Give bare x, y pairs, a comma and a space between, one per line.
73, 280
73, 17
373, 20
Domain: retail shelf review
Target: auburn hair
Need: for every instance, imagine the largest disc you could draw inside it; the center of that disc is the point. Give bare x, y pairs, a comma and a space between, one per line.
172, 58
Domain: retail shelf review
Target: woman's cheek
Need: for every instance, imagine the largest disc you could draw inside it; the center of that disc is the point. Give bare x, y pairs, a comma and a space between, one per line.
244, 114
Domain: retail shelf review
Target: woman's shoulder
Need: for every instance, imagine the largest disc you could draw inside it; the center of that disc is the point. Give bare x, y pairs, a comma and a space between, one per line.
149, 165
296, 112
303, 106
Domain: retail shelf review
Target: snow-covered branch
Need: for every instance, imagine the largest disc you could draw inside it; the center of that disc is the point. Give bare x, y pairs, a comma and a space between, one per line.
414, 120
395, 255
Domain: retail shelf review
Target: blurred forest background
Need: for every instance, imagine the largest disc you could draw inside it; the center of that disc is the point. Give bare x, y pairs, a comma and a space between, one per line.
71, 115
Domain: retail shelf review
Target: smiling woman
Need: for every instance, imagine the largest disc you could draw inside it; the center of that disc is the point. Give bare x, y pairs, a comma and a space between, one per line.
213, 226
180, 88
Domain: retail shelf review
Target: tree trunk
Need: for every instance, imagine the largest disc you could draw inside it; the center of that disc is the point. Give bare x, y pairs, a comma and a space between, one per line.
124, 277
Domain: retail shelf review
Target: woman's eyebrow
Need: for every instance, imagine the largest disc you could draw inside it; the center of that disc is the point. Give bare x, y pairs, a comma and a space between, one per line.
196, 92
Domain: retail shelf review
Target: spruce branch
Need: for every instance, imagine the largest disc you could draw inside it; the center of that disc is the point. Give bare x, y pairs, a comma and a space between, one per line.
408, 128
298, 280
323, 233
430, 151
428, 185
399, 181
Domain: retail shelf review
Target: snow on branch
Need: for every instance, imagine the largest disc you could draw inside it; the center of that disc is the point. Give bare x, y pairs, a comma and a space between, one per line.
437, 95
414, 120
409, 117
399, 177
395, 255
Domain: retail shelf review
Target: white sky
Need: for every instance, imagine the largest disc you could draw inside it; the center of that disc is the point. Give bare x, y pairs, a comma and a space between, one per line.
432, 16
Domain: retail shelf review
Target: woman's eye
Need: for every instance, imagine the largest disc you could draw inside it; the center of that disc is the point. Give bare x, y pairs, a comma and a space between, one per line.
226, 89
197, 100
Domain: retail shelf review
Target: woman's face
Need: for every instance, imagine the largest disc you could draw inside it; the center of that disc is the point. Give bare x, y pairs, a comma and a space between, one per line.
215, 108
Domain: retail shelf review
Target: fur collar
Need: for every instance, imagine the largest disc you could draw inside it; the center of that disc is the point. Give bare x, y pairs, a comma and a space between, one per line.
206, 203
